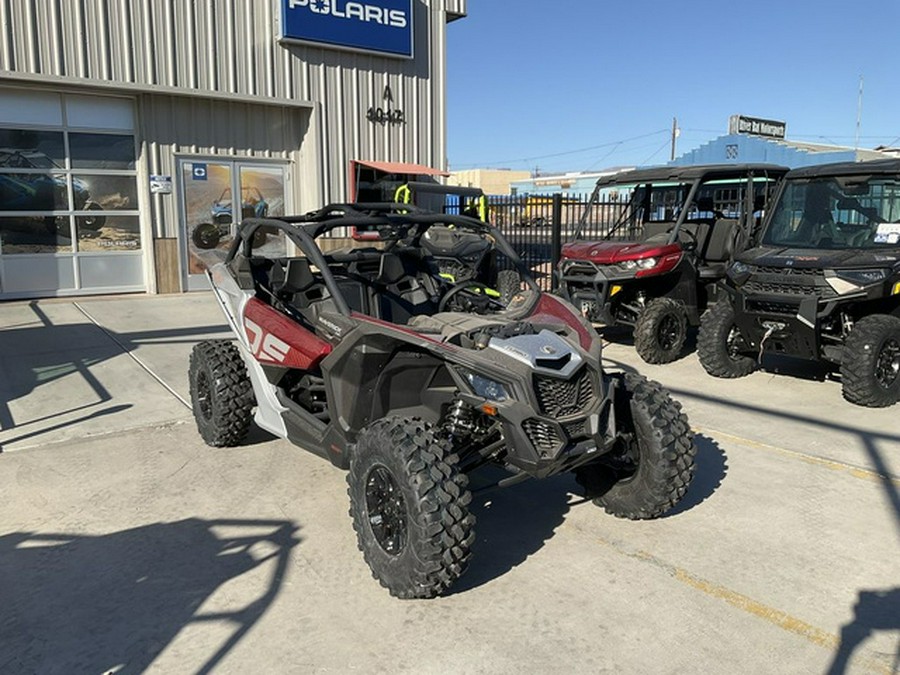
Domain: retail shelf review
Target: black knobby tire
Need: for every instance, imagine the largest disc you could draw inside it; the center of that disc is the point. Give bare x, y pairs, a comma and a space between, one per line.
870, 362
648, 473
660, 331
720, 345
91, 222
508, 284
221, 392
206, 236
409, 506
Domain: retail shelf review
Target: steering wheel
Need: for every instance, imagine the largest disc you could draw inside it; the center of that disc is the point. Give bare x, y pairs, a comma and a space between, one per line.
469, 296
692, 236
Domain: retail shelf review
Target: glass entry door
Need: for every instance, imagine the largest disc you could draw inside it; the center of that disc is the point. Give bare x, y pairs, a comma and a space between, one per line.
211, 212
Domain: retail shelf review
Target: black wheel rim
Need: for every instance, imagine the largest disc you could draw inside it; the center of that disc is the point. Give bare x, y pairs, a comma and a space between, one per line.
668, 332
204, 396
625, 460
386, 510
887, 367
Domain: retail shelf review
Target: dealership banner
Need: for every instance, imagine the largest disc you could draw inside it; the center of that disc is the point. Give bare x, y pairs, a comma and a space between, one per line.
741, 124
381, 26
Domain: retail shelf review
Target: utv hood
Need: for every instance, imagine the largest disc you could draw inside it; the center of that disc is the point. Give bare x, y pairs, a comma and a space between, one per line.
808, 258
611, 252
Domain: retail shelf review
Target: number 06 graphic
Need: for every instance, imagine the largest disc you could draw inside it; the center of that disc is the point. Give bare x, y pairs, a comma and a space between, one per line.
265, 345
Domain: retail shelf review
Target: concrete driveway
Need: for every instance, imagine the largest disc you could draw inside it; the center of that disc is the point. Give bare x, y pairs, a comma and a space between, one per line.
127, 545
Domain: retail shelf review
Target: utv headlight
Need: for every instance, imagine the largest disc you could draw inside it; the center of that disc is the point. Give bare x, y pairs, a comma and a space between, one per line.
641, 264
863, 277
853, 281
486, 387
739, 272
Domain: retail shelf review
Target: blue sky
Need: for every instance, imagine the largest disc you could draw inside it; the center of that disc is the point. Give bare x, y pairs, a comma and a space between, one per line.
601, 81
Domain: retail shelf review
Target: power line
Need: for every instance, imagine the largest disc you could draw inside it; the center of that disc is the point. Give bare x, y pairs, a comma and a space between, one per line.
532, 158
660, 149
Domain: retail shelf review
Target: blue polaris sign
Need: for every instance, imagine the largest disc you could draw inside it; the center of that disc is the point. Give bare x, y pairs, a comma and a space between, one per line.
383, 26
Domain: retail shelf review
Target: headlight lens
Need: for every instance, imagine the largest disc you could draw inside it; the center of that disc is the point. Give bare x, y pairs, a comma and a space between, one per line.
739, 272
486, 387
863, 277
739, 268
642, 264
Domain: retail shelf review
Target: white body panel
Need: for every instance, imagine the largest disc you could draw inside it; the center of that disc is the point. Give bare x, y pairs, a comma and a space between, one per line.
232, 300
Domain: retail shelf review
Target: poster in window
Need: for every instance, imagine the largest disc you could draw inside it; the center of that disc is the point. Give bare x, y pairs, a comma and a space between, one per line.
208, 213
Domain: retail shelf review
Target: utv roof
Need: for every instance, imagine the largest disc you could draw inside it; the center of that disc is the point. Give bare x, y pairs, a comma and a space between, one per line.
878, 166
688, 173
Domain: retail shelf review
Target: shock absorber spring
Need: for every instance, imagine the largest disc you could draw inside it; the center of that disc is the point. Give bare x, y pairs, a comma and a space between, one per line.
459, 420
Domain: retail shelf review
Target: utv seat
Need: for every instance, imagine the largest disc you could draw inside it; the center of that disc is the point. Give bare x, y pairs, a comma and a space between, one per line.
655, 231
400, 293
719, 249
295, 284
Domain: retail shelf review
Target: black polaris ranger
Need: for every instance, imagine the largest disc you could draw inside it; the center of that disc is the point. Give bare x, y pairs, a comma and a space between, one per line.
823, 284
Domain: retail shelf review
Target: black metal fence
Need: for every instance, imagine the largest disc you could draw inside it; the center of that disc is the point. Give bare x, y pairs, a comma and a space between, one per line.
538, 225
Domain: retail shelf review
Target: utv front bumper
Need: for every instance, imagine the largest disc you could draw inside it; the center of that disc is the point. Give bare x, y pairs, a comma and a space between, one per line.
783, 324
590, 288
559, 425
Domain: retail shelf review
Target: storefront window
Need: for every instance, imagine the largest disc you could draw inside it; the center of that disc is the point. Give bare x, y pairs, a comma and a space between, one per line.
69, 212
106, 192
108, 232
101, 151
101, 200
30, 149
33, 192
35, 234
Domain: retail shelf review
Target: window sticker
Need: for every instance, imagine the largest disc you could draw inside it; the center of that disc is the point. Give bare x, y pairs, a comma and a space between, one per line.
888, 228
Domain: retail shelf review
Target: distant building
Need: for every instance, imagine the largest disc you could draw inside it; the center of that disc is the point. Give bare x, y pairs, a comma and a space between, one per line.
743, 149
491, 181
568, 184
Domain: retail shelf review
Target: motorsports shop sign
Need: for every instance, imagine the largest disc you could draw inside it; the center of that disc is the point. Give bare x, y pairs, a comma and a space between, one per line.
738, 124
381, 26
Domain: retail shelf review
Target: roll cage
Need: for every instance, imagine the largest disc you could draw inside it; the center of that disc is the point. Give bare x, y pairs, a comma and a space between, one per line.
399, 225
690, 179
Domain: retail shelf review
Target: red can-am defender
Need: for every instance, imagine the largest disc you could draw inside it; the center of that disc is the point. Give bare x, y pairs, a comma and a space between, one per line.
374, 359
656, 267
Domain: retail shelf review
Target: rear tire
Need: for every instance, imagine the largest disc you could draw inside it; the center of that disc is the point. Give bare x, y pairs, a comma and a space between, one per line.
660, 331
648, 474
719, 343
409, 506
870, 362
221, 393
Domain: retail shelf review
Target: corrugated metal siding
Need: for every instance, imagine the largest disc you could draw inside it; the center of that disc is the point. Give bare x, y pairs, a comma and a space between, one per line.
229, 47
179, 125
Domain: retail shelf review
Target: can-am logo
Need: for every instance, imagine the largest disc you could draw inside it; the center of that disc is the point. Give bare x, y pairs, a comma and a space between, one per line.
396, 18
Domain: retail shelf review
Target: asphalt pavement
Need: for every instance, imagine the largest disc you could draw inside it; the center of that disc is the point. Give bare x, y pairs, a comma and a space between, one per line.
127, 545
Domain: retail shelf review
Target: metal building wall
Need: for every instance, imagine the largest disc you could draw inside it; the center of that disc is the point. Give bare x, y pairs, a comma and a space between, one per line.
227, 49
173, 126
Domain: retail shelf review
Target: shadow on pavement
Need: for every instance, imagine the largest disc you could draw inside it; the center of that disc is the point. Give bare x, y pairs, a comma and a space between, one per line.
875, 610
35, 355
710, 469
513, 523
75, 603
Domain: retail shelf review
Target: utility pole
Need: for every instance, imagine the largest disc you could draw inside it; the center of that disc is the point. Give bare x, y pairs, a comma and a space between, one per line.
859, 110
675, 133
